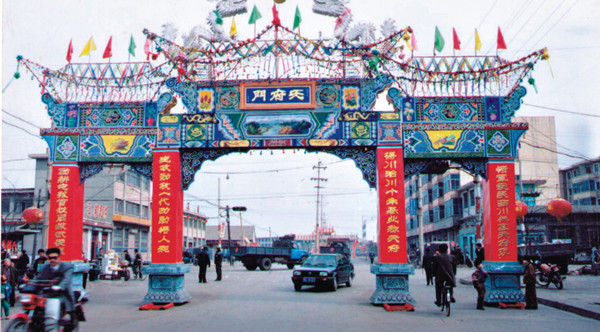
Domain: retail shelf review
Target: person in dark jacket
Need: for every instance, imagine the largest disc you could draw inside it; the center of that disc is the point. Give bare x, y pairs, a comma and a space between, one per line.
478, 278
445, 265
12, 276
428, 265
62, 274
218, 263
479, 254
529, 281
203, 261
39, 260
22, 263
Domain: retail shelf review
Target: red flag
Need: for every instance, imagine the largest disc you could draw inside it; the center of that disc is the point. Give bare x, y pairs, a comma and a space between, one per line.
108, 49
70, 51
501, 43
456, 40
276, 21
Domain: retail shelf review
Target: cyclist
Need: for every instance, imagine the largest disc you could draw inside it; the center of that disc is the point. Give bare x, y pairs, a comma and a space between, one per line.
445, 269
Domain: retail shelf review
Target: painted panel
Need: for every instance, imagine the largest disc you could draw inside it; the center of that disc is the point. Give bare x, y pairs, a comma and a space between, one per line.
280, 95
443, 143
114, 147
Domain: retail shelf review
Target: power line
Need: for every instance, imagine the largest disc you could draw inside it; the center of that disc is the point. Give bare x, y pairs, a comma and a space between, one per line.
17, 117
564, 111
541, 25
21, 128
556, 23
557, 152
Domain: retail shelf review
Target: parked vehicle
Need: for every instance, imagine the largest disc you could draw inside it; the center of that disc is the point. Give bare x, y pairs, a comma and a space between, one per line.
324, 270
282, 252
336, 248
34, 296
546, 274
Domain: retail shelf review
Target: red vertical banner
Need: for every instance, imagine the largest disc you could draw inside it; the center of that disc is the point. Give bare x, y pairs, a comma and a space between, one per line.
65, 222
391, 215
167, 208
499, 215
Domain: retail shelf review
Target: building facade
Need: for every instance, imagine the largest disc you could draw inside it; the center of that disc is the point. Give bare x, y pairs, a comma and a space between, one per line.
580, 183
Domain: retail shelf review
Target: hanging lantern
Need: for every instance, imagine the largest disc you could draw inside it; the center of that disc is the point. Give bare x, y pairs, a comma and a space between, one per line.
559, 208
33, 215
520, 209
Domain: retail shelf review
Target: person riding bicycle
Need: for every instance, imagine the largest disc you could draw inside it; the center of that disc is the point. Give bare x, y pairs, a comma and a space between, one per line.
61, 273
444, 270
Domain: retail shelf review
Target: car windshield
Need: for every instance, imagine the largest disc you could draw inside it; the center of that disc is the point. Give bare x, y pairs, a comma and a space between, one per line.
317, 260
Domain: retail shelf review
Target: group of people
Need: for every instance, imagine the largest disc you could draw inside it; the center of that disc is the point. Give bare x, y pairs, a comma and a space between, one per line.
442, 266
135, 263
203, 259
57, 271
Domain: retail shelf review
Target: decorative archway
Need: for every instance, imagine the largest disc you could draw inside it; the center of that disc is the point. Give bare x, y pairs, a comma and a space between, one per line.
444, 108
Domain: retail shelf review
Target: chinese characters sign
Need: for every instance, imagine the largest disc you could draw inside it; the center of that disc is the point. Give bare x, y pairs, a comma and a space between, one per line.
167, 208
283, 95
500, 228
392, 219
65, 228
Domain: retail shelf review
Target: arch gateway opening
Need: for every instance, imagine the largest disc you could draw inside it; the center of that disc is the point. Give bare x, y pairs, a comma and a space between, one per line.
281, 90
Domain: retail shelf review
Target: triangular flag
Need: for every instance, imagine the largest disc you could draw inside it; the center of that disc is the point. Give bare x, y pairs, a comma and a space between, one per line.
132, 46
254, 16
108, 49
233, 30
219, 20
413, 42
477, 41
456, 40
439, 40
297, 18
70, 51
89, 47
276, 21
501, 43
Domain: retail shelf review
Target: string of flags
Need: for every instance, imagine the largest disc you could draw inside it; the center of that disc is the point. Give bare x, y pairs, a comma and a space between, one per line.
439, 42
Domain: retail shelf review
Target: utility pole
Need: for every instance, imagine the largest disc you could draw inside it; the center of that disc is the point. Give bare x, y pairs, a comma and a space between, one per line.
420, 217
229, 237
318, 179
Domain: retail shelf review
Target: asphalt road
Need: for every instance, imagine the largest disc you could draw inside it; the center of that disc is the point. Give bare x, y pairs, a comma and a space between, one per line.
266, 301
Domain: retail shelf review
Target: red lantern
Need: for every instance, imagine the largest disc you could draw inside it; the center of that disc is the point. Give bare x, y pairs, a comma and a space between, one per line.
559, 208
521, 209
33, 215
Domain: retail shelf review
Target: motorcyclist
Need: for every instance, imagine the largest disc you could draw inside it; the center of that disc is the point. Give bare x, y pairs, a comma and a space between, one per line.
61, 273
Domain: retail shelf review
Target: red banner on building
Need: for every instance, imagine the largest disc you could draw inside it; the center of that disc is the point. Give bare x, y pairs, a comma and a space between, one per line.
391, 215
499, 219
65, 222
167, 208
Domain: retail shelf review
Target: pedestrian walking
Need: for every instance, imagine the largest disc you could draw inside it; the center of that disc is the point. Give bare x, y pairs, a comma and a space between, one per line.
479, 254
22, 263
138, 262
218, 263
428, 265
478, 278
203, 261
12, 277
6, 290
529, 281
372, 257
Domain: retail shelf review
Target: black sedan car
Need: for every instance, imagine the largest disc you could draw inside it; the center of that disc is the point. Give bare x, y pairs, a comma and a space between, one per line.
324, 270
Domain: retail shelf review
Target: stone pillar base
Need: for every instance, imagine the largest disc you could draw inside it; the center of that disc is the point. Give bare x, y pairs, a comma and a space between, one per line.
166, 283
503, 283
391, 283
79, 268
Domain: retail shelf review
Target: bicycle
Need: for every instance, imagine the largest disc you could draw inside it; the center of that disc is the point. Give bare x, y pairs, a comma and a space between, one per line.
446, 299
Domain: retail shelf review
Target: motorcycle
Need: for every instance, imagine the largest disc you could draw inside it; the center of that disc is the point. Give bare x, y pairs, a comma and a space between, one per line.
34, 297
546, 274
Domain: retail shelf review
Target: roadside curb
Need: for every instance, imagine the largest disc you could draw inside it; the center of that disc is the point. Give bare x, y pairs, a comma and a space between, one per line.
557, 305
570, 308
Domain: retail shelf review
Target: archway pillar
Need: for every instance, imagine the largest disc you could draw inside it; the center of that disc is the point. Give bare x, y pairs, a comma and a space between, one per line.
65, 221
500, 234
392, 268
166, 273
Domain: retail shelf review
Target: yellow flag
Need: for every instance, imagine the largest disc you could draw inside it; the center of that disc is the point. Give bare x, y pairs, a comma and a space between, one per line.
233, 30
477, 41
89, 47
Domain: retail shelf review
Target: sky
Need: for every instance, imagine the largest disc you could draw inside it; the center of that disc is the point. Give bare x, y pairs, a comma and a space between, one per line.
276, 186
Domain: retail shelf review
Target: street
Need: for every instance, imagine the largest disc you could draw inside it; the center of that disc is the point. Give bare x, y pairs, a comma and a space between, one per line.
266, 300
